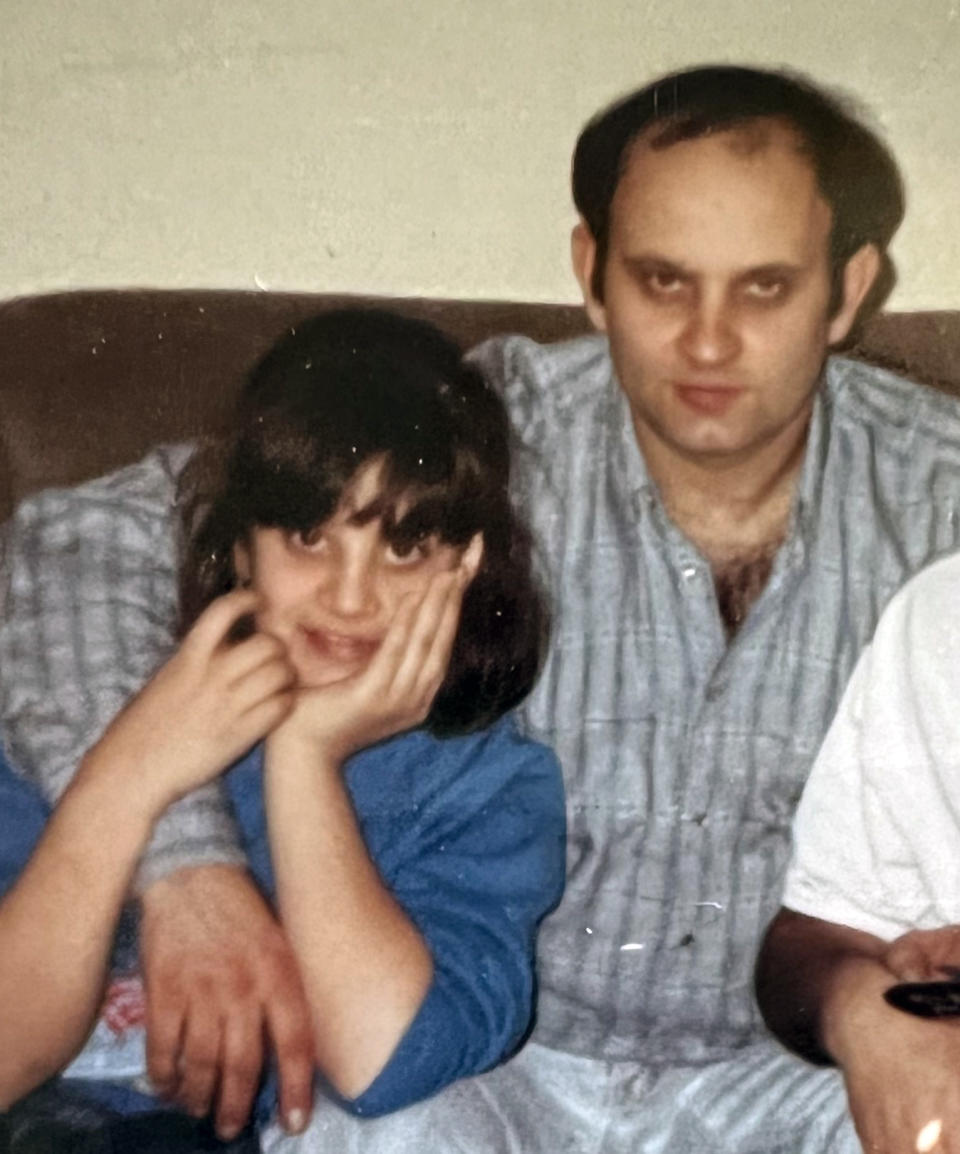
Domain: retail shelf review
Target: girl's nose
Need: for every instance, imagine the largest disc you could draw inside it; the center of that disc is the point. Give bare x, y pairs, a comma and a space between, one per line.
350, 590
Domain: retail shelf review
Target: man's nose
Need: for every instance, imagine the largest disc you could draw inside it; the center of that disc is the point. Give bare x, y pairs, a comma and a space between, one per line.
710, 337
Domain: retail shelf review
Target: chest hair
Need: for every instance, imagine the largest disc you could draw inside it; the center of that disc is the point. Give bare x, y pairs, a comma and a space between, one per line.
739, 581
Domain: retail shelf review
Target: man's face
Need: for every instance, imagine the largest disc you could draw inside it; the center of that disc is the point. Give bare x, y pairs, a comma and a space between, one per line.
716, 291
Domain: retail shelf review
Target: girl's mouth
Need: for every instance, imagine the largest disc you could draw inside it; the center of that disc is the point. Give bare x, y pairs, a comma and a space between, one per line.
340, 646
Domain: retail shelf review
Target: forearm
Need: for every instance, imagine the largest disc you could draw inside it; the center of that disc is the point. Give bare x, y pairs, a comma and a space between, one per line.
365, 967
57, 925
810, 976
89, 592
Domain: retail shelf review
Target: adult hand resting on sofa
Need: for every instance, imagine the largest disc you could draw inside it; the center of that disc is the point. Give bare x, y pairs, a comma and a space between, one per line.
223, 995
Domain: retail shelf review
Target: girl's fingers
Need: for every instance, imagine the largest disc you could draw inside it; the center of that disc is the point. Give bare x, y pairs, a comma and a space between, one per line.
262, 654
262, 649
261, 719
472, 556
437, 660
266, 681
423, 632
219, 617
385, 662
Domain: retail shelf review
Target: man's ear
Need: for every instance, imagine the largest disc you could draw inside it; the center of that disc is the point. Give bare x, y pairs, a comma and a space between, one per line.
583, 252
859, 274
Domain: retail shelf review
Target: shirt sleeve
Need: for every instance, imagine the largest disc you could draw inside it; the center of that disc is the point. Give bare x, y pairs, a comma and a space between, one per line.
470, 835
87, 613
877, 831
489, 865
831, 872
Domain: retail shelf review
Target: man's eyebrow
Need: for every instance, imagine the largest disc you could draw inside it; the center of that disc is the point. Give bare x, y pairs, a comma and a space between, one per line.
774, 269
645, 261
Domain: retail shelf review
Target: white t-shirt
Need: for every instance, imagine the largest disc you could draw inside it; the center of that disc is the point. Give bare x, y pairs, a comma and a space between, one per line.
877, 832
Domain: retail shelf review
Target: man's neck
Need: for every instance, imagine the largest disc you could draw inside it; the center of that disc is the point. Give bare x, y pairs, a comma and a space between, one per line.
729, 507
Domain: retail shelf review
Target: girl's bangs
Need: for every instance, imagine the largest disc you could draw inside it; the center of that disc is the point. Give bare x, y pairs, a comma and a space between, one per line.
297, 482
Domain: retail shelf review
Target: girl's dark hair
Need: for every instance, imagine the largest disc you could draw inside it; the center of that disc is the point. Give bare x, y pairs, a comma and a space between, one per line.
344, 389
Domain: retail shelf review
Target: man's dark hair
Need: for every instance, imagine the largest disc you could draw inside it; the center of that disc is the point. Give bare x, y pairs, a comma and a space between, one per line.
346, 389
856, 172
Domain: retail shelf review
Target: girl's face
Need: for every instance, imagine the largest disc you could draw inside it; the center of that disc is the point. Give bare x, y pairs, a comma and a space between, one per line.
330, 595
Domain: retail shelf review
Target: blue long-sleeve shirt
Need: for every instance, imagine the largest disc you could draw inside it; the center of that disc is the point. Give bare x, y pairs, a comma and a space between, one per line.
468, 833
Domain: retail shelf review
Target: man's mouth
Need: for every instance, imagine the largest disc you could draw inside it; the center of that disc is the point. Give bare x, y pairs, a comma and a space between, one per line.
710, 400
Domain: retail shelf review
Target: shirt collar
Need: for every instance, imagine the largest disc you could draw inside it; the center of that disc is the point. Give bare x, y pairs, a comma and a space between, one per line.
810, 482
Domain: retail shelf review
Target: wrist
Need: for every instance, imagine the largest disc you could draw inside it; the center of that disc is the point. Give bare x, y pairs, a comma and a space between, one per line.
188, 884
153, 773
120, 783
852, 1004
102, 810
296, 747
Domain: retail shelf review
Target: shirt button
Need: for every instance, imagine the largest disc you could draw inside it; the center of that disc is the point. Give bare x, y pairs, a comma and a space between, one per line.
688, 572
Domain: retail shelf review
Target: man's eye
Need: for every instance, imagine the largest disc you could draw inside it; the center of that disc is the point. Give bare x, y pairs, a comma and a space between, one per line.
766, 288
662, 282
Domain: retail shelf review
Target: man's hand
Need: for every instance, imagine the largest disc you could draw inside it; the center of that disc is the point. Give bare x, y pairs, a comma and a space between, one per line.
925, 955
902, 1072
820, 986
220, 977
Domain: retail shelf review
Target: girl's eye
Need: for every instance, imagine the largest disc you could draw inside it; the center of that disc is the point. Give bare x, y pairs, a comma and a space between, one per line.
309, 541
408, 555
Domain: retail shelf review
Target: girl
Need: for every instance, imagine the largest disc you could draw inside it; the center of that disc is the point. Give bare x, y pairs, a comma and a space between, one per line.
410, 838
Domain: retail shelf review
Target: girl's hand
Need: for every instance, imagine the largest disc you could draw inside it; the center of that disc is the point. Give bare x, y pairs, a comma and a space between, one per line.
397, 688
204, 708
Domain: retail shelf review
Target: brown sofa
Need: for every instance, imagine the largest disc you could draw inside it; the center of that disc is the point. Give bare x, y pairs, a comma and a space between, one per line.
89, 380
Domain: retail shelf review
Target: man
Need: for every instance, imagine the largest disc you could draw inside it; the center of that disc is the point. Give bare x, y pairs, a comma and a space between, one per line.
721, 519
877, 852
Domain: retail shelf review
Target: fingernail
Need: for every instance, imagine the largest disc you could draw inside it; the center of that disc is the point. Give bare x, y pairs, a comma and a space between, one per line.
228, 1132
295, 1121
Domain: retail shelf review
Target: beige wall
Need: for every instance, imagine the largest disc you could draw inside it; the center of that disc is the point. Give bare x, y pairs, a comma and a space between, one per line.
399, 146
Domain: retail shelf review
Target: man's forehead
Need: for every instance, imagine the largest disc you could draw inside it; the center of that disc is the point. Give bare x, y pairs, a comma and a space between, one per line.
750, 189
759, 145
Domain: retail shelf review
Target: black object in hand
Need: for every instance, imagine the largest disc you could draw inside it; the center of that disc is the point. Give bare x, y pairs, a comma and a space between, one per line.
926, 999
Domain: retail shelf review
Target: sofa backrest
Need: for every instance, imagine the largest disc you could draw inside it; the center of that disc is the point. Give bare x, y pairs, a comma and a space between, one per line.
89, 380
